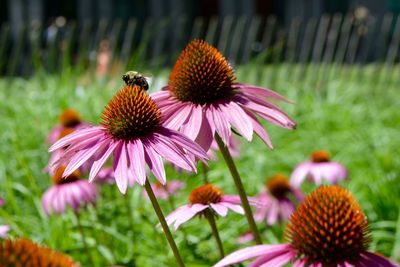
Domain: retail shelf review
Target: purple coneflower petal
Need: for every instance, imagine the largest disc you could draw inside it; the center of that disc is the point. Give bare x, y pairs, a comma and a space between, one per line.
220, 209
373, 259
239, 119
76, 136
252, 252
265, 92
234, 207
259, 129
156, 164
222, 126
137, 163
179, 118
4, 229
184, 213
205, 136
101, 160
192, 127
121, 167
300, 173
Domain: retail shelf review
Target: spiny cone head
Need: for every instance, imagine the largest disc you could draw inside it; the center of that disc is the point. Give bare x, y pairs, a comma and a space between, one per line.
58, 179
278, 185
320, 156
206, 194
25, 253
329, 227
201, 75
131, 114
70, 118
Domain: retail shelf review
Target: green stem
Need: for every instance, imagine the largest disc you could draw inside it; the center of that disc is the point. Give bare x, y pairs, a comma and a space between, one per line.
205, 172
240, 188
127, 201
163, 223
85, 245
210, 217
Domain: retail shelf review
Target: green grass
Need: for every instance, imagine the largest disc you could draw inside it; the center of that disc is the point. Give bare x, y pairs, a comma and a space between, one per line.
350, 111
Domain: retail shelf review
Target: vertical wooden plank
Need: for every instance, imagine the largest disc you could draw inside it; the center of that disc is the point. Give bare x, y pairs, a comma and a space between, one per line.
306, 47
391, 56
127, 42
159, 35
34, 45
237, 38
4, 41
383, 38
212, 30
332, 38
345, 34
16, 54
198, 28
266, 44
226, 33
83, 45
320, 38
293, 36
250, 39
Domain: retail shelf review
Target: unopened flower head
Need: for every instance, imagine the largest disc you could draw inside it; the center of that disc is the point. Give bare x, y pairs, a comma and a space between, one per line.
319, 169
132, 131
203, 98
205, 197
24, 252
278, 201
327, 229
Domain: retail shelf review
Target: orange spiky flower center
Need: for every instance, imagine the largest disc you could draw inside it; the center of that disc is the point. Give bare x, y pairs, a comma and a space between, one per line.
206, 194
201, 75
329, 227
131, 114
70, 118
278, 185
23, 252
59, 179
320, 156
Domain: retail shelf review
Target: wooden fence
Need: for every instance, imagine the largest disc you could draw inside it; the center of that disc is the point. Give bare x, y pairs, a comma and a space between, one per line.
341, 39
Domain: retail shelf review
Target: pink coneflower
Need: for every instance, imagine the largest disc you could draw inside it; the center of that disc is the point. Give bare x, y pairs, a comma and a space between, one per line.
70, 120
165, 191
106, 176
202, 98
278, 202
327, 229
205, 197
203, 101
131, 130
320, 168
68, 192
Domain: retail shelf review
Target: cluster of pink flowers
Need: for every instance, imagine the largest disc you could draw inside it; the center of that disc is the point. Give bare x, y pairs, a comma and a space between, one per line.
201, 107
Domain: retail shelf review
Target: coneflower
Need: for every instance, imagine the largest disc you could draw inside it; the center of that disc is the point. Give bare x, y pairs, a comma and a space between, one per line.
132, 131
204, 102
319, 169
24, 252
278, 201
328, 229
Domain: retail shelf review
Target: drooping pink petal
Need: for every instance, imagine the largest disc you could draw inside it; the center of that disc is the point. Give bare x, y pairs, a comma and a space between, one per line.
174, 122
99, 162
185, 142
82, 156
239, 119
192, 127
299, 174
155, 163
259, 129
137, 161
184, 213
4, 229
222, 126
265, 92
235, 208
121, 167
172, 153
252, 252
220, 209
80, 134
205, 136
276, 259
378, 261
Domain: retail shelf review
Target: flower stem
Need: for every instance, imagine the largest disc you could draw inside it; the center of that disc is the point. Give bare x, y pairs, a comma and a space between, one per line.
85, 245
240, 188
163, 223
205, 172
210, 217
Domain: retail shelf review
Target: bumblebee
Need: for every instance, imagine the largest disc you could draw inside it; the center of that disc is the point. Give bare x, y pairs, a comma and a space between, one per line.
135, 78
